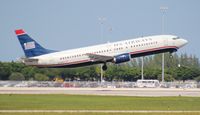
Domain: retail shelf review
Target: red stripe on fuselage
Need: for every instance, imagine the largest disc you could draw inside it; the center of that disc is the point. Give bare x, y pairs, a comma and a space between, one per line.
153, 49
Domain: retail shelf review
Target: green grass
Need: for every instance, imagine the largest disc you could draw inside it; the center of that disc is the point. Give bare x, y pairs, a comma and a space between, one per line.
79, 102
99, 113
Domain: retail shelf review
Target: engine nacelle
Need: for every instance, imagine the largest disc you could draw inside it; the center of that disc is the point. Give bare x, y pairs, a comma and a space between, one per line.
122, 58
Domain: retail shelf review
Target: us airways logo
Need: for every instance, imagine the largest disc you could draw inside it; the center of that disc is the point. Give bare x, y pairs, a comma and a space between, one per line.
29, 45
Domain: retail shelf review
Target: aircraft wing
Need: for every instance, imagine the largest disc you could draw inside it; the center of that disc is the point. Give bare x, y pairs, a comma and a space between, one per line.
96, 57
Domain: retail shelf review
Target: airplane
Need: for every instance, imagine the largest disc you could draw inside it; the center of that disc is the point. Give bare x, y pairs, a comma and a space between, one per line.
115, 52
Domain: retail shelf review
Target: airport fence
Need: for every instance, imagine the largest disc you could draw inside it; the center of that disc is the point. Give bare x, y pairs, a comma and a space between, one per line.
94, 84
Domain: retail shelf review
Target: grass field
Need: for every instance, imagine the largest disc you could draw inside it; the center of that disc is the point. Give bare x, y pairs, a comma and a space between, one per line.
80, 102
100, 113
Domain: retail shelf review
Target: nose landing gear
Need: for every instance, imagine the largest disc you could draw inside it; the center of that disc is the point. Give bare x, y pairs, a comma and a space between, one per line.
170, 55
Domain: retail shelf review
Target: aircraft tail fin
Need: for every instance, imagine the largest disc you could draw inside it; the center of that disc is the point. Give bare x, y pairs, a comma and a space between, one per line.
30, 47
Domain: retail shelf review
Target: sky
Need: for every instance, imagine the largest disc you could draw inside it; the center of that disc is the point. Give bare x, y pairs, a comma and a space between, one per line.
68, 24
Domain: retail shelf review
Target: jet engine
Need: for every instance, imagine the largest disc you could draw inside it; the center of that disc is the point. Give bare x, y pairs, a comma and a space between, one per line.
122, 58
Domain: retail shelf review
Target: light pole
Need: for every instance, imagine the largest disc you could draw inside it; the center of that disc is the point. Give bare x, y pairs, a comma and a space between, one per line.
101, 20
142, 68
163, 9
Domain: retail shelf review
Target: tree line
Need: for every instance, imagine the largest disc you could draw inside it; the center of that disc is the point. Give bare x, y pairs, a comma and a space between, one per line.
179, 67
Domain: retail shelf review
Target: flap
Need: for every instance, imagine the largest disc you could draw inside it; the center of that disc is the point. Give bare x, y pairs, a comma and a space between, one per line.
96, 57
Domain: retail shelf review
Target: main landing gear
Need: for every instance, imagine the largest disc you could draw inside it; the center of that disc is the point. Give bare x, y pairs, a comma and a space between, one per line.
104, 67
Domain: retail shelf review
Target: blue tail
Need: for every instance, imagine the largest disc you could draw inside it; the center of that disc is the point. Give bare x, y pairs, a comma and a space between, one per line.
31, 47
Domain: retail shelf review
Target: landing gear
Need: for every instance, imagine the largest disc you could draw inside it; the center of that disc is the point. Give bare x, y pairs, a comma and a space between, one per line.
170, 55
104, 67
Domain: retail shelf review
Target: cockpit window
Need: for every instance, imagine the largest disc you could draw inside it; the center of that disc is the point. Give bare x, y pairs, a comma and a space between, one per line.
176, 38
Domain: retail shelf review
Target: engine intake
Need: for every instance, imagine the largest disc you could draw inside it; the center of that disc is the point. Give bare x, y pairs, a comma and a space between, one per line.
122, 58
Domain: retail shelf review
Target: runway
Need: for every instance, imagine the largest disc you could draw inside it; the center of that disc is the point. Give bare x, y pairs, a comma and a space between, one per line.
150, 92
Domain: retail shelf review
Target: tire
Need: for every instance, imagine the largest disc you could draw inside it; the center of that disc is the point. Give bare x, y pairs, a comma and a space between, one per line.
104, 67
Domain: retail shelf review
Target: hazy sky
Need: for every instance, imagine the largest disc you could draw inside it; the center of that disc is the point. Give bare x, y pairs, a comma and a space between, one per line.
66, 24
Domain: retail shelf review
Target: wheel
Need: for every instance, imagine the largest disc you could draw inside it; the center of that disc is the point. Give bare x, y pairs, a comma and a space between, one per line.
170, 55
104, 67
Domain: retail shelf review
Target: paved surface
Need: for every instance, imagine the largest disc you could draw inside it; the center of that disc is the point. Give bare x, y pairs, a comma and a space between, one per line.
93, 111
155, 92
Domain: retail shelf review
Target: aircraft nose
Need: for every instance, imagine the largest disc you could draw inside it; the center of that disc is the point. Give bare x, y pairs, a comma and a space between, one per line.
184, 42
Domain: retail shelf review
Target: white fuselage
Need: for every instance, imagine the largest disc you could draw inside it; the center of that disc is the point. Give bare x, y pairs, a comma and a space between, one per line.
143, 45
